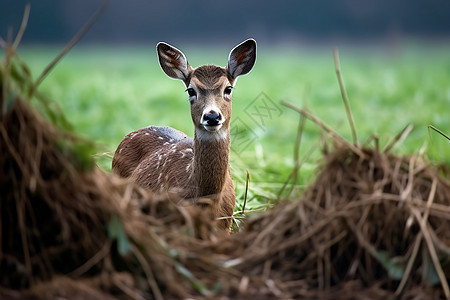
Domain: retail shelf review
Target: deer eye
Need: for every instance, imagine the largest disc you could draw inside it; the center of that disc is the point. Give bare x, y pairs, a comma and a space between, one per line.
192, 94
228, 90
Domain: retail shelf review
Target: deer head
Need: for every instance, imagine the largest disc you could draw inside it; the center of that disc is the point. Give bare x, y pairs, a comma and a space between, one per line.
209, 87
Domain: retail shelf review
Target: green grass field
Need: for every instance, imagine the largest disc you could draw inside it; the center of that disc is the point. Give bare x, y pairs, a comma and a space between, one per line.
107, 92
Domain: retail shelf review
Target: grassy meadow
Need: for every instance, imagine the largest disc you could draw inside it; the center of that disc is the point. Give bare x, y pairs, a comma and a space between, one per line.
107, 92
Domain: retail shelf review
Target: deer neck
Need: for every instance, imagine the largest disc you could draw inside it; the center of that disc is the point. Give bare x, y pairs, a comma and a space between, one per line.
210, 166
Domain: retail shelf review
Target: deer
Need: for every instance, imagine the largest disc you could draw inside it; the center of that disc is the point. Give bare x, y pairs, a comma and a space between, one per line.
163, 159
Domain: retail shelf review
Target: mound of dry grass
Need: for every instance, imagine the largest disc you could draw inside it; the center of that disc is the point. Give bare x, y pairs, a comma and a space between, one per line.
60, 219
373, 225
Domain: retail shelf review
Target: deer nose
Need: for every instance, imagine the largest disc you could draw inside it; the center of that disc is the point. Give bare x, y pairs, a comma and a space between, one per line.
212, 118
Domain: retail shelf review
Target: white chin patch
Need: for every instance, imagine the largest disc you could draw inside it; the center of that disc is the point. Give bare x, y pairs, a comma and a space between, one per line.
212, 128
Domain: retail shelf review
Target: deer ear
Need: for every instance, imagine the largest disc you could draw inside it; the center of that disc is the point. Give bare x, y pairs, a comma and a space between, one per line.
173, 62
242, 58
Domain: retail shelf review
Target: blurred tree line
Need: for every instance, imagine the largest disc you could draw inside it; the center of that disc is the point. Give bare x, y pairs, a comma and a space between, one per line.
149, 21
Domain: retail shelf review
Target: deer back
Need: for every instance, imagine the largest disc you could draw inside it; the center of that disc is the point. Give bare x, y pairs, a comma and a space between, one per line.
155, 157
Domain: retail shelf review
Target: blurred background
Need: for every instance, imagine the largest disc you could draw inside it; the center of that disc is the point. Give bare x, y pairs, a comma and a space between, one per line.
395, 57
289, 21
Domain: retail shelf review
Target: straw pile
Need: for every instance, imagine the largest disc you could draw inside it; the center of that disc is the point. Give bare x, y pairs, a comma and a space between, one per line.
59, 219
368, 227
372, 225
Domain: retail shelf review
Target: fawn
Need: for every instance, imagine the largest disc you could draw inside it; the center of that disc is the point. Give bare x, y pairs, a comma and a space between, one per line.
163, 159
